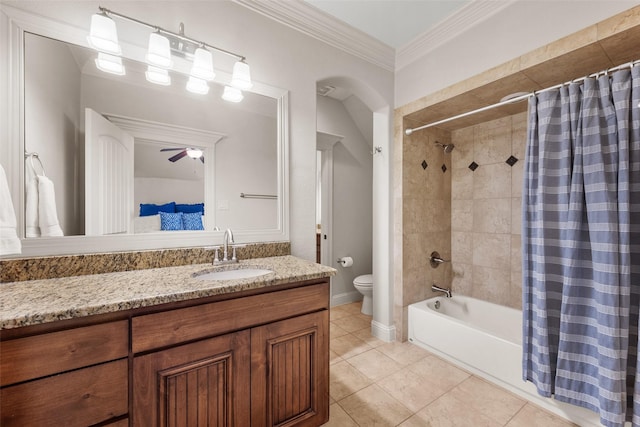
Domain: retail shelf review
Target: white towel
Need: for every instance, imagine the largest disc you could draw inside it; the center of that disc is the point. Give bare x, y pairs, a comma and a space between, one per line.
31, 208
47, 214
9, 241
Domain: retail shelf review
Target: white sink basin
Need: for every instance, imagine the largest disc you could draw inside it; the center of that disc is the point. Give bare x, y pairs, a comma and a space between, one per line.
240, 273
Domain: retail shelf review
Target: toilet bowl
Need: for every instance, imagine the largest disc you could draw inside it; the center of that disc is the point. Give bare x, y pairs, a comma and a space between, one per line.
364, 285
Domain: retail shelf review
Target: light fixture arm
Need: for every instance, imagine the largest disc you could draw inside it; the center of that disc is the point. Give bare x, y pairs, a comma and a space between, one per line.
109, 12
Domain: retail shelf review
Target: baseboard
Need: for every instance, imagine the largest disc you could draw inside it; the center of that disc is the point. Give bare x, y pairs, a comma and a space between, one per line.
383, 332
345, 298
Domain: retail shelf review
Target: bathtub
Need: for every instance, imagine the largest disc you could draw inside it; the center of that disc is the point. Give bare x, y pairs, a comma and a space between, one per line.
484, 339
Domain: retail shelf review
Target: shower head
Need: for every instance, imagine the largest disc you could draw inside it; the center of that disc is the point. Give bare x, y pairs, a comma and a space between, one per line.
446, 147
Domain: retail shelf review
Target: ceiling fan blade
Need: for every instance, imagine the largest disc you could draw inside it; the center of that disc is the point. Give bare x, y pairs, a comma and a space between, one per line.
171, 149
202, 159
178, 156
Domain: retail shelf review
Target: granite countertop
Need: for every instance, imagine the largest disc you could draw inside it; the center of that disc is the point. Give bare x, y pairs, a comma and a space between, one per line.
41, 301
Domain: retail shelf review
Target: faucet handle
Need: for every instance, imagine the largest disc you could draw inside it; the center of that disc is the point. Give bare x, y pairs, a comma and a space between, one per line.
216, 256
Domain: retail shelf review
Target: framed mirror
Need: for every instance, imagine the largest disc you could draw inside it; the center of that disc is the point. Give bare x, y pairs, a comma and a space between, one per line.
242, 148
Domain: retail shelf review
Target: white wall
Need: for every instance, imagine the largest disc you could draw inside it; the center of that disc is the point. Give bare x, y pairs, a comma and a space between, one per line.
352, 196
278, 55
519, 28
52, 117
164, 190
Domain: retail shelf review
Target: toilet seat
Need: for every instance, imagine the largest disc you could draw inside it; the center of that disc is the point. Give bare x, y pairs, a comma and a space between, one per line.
365, 281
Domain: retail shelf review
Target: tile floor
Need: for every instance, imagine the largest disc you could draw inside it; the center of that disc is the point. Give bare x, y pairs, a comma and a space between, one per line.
373, 383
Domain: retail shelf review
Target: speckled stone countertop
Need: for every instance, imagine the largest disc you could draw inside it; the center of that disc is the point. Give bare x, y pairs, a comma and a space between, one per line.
41, 301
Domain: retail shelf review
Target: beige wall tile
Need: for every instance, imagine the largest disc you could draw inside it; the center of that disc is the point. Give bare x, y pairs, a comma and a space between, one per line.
492, 181
462, 247
491, 284
492, 215
515, 290
492, 141
516, 252
492, 250
519, 136
462, 183
462, 281
517, 172
462, 155
462, 215
516, 215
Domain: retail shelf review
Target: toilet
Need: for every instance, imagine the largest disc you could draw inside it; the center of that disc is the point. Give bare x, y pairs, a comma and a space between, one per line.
364, 285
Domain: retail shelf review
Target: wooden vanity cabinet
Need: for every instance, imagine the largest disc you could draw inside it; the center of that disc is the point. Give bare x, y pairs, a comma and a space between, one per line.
260, 360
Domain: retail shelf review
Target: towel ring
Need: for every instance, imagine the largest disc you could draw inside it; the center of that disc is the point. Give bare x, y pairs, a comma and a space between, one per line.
31, 156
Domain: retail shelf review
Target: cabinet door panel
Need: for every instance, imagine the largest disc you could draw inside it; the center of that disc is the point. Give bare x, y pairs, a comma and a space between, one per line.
205, 383
290, 372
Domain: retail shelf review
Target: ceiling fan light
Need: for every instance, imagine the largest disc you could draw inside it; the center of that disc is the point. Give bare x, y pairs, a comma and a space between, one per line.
232, 94
110, 64
194, 153
103, 35
196, 85
159, 53
203, 64
157, 76
241, 77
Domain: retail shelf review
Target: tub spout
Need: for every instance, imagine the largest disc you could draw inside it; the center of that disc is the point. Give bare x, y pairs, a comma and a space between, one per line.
446, 292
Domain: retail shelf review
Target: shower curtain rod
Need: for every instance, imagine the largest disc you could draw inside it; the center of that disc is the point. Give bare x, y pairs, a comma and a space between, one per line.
522, 97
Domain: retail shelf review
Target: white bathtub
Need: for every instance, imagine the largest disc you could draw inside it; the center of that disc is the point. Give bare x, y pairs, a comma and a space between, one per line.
484, 339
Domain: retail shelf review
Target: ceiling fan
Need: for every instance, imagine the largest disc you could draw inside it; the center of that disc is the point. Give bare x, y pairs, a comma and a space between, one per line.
194, 153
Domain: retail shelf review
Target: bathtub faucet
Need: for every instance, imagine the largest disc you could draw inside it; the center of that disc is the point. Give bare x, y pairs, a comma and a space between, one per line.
437, 288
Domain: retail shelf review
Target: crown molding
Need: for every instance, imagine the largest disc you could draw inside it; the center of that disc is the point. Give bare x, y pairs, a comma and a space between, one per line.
446, 30
313, 22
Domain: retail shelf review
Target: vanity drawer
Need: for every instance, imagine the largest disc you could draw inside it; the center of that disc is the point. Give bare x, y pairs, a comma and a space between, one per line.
186, 324
84, 397
38, 356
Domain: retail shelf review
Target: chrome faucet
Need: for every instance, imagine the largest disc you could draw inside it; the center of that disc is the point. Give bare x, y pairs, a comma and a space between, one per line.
228, 238
436, 288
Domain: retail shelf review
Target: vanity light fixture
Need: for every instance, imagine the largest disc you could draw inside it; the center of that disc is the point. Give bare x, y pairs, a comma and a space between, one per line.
103, 35
159, 53
158, 76
196, 85
162, 45
110, 64
232, 94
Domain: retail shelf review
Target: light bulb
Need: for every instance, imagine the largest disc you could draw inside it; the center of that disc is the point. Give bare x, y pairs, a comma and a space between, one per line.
202, 64
194, 153
158, 76
159, 53
232, 94
241, 78
110, 64
196, 85
103, 35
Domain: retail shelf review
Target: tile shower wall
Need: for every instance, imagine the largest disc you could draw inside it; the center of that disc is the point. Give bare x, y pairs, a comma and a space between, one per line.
426, 220
486, 187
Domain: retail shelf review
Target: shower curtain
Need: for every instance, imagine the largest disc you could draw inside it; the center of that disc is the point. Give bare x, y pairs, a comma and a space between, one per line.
581, 245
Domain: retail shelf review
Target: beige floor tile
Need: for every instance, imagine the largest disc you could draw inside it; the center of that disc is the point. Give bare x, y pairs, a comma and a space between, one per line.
533, 416
336, 331
448, 411
345, 380
374, 364
348, 346
339, 418
334, 357
338, 313
353, 308
373, 406
410, 389
404, 353
352, 323
488, 399
438, 373
365, 335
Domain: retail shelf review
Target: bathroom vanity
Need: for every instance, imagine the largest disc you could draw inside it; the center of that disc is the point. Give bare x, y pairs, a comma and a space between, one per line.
162, 347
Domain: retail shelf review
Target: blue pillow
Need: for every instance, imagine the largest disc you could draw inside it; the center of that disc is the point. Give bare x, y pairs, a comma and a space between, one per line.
171, 221
147, 209
192, 221
196, 207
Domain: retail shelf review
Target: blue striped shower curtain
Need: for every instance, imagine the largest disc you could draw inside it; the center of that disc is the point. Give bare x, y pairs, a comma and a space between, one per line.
581, 245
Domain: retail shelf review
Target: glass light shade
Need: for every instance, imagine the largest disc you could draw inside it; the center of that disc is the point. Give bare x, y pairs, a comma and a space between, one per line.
203, 64
103, 35
196, 85
232, 94
194, 153
110, 64
241, 77
158, 76
159, 53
